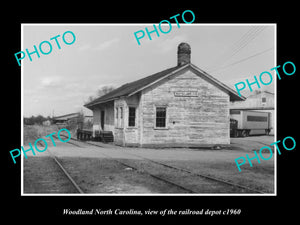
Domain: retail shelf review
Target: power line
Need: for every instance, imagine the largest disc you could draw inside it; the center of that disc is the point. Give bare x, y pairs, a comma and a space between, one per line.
242, 40
242, 60
231, 48
238, 46
247, 41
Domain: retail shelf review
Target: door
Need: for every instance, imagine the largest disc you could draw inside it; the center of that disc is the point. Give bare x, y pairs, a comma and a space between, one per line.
102, 119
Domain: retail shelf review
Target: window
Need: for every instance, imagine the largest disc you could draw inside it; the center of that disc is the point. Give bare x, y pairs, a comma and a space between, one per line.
257, 118
131, 117
235, 111
121, 112
160, 116
263, 99
121, 118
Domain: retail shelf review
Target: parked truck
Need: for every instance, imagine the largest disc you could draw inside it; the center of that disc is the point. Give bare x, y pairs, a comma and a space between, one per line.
245, 122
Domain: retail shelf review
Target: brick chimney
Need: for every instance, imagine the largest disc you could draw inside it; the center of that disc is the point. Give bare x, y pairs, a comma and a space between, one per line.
183, 54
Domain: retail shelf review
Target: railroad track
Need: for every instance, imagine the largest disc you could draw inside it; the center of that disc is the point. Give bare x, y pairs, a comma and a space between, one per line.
215, 179
136, 169
67, 174
63, 169
122, 163
182, 170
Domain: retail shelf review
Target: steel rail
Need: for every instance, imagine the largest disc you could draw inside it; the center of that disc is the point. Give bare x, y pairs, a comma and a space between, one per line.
64, 170
142, 171
202, 175
183, 170
67, 174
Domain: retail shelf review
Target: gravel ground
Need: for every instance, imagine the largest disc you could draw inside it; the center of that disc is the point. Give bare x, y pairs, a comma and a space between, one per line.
101, 176
98, 173
43, 176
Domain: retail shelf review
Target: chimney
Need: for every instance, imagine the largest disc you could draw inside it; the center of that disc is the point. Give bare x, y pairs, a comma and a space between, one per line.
183, 54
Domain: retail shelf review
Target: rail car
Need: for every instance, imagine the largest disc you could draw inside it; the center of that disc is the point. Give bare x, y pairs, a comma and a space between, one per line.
245, 122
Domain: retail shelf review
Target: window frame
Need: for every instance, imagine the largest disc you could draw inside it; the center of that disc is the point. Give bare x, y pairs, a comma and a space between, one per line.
166, 127
119, 117
121, 112
131, 107
121, 125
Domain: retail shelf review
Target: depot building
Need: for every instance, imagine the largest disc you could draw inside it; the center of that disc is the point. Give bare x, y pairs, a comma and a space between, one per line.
182, 106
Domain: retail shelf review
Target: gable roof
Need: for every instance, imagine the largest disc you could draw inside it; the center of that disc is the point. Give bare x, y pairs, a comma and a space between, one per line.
139, 85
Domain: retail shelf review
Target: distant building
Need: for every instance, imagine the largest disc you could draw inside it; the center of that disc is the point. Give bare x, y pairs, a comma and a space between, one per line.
258, 101
262, 101
179, 106
65, 118
46, 123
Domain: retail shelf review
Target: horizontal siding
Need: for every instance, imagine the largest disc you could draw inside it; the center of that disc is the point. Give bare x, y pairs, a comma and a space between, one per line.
197, 120
124, 135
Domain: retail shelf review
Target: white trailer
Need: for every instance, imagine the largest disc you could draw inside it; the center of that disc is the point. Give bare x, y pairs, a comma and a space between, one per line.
251, 122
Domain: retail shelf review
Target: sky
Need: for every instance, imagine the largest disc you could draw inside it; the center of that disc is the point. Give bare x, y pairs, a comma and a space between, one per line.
109, 55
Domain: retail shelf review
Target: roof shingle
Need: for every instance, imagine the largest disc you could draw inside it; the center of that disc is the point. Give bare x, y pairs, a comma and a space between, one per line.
134, 86
128, 88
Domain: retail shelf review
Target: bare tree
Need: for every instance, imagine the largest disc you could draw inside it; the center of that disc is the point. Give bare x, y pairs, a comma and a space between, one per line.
100, 92
90, 98
104, 90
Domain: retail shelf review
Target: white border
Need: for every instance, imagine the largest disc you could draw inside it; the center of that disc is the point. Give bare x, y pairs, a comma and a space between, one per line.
22, 113
139, 24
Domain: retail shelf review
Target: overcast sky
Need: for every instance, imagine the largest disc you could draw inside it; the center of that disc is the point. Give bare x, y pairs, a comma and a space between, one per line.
109, 55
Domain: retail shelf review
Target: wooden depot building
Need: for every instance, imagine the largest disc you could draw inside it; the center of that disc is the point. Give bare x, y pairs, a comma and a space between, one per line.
182, 106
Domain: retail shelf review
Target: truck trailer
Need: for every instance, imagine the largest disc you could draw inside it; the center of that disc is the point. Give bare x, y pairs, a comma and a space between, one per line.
245, 122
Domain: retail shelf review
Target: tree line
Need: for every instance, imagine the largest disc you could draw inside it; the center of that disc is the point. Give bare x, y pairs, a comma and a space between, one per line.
36, 120
40, 119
